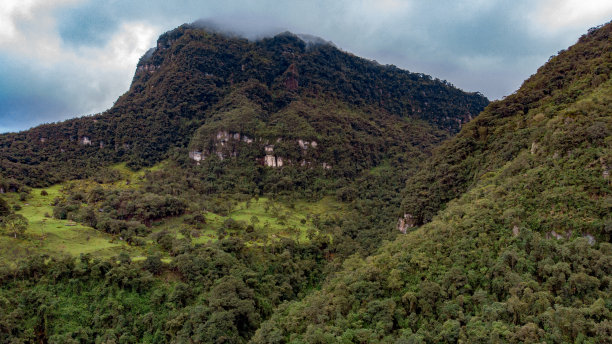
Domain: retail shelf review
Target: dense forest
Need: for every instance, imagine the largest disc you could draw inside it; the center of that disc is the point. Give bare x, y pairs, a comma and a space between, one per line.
521, 251
196, 77
285, 191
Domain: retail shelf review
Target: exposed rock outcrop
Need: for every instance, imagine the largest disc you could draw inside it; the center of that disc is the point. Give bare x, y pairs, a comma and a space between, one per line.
225, 144
568, 234
85, 141
147, 68
590, 239
534, 147
605, 169
195, 155
553, 234
405, 222
291, 75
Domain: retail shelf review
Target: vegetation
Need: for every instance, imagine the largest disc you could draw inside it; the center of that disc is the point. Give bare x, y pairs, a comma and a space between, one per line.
195, 76
162, 220
523, 256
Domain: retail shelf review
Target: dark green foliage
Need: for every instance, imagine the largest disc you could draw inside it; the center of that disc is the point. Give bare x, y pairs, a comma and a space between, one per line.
5, 209
515, 245
196, 75
223, 292
509, 126
523, 255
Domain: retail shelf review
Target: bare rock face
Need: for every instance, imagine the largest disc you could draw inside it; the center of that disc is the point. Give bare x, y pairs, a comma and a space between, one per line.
553, 234
85, 141
223, 136
303, 144
225, 145
306, 144
590, 239
270, 160
195, 155
150, 68
405, 222
605, 169
534, 147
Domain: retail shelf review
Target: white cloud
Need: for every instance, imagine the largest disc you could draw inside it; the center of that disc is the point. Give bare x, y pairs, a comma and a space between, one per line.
10, 12
110, 68
31, 15
88, 79
553, 16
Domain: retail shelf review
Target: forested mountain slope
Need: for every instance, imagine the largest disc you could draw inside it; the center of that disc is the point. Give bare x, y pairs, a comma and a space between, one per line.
265, 90
232, 177
506, 128
522, 251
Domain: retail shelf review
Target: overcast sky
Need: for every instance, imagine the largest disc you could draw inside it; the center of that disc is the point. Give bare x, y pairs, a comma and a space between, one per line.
65, 58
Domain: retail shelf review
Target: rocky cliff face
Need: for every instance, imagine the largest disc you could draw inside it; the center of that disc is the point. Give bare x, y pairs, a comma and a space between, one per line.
227, 144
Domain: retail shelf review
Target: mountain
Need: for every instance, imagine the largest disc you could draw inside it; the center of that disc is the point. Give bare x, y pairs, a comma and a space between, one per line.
516, 242
249, 191
197, 84
232, 177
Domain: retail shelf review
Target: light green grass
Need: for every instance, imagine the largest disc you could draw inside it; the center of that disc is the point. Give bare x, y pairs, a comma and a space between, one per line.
52, 236
45, 234
275, 220
129, 179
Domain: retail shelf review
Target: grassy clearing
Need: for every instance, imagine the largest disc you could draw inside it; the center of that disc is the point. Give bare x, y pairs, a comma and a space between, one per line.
271, 220
52, 236
55, 237
129, 179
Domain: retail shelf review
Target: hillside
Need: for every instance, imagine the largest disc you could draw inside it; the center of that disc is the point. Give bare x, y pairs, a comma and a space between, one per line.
520, 251
232, 177
196, 78
249, 191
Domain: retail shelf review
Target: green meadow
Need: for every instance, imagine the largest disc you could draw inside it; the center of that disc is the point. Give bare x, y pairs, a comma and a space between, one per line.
51, 236
257, 221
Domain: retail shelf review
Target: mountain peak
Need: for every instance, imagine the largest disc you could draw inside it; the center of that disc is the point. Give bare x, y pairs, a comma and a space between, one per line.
197, 75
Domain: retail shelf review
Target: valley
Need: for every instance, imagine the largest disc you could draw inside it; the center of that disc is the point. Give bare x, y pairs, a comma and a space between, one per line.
280, 190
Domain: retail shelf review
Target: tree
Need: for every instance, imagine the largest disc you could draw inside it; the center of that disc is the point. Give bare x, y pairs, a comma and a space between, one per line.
16, 224
254, 220
153, 264
5, 209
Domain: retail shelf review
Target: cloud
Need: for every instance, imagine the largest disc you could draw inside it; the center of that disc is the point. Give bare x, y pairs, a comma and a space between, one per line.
63, 58
49, 81
553, 16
